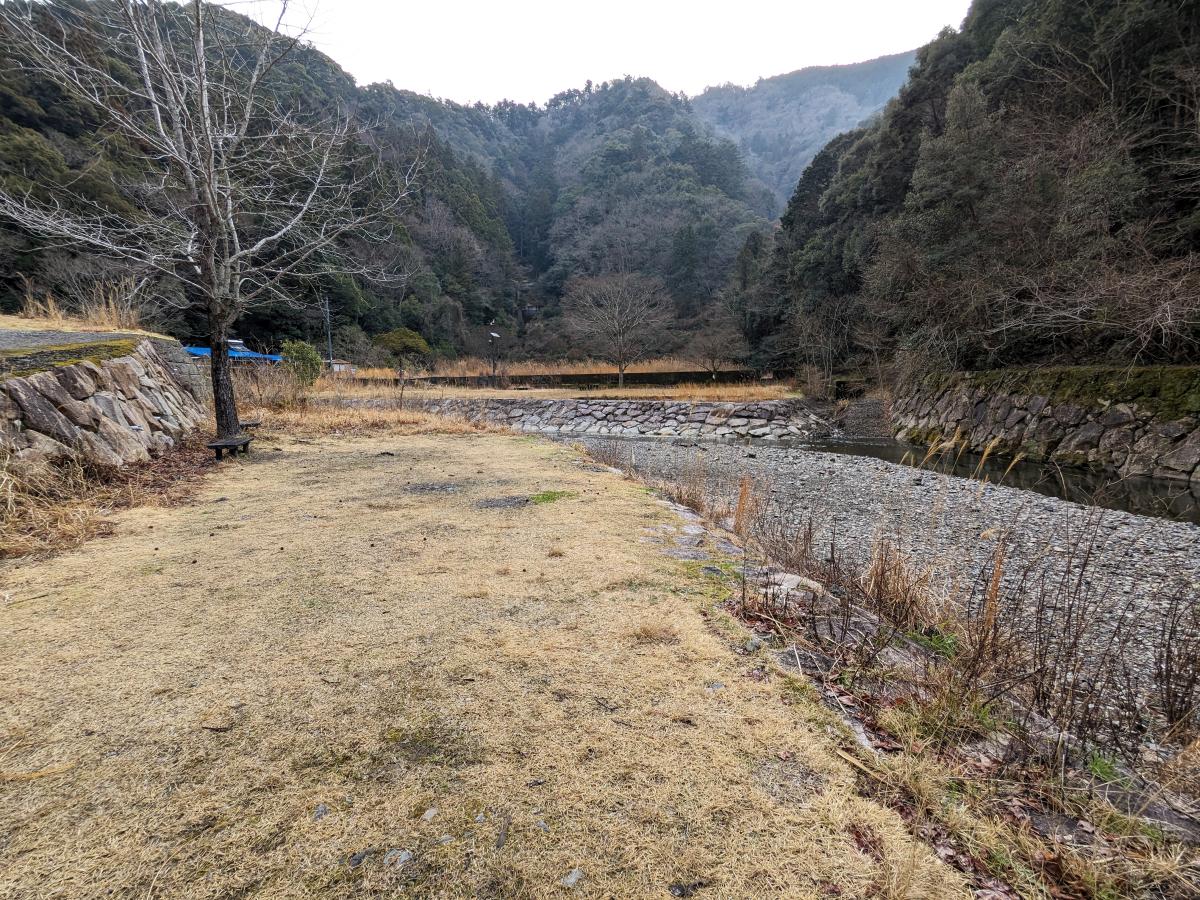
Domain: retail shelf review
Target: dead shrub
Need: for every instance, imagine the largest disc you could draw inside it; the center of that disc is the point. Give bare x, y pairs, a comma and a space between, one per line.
690, 488
56, 504
46, 505
269, 387
613, 452
1177, 662
746, 509
899, 592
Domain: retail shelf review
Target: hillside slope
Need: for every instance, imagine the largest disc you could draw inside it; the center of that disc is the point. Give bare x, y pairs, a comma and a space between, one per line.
512, 201
780, 123
1031, 195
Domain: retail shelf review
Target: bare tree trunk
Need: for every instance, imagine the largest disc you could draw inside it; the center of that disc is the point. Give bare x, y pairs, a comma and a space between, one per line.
231, 225
621, 314
224, 404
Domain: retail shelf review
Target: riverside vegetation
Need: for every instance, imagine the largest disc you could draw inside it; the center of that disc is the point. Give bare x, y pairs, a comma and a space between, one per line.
1042, 738
476, 659
1001, 715
958, 228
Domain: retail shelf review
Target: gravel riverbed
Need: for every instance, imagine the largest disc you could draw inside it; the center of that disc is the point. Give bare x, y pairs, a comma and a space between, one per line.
949, 523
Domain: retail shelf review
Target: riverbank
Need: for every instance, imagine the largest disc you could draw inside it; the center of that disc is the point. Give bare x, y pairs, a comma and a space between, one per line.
406, 662
946, 524
1136, 420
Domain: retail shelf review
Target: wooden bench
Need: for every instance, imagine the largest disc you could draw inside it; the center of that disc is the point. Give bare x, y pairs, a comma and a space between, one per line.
252, 423
239, 442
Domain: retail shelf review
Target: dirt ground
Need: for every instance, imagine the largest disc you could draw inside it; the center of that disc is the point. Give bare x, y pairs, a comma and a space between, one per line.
374, 667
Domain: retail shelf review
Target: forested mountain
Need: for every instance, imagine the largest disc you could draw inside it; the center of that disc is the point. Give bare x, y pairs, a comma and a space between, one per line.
1030, 195
512, 201
780, 123
630, 181
452, 241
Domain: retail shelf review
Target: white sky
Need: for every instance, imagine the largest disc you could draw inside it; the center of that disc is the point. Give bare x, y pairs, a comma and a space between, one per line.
531, 49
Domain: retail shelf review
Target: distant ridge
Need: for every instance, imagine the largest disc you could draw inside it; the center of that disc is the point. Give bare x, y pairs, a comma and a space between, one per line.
781, 122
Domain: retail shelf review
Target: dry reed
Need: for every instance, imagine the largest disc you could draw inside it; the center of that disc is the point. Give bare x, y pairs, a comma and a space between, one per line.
53, 505
471, 367
112, 306
332, 418
389, 387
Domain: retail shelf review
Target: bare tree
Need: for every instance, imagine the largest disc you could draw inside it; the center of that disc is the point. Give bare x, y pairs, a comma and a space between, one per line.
871, 334
620, 315
243, 201
818, 341
718, 345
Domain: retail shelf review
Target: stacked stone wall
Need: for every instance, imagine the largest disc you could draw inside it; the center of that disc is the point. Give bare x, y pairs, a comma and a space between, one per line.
111, 412
772, 420
1134, 421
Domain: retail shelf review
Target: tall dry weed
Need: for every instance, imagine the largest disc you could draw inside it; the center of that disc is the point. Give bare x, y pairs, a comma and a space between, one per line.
110, 306
269, 387
474, 367
744, 511
50, 505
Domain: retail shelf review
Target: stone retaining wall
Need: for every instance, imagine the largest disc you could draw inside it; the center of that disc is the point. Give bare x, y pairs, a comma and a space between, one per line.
1135, 421
186, 371
771, 420
113, 412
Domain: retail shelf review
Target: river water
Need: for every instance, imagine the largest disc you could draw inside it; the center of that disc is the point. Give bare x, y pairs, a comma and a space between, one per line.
1141, 495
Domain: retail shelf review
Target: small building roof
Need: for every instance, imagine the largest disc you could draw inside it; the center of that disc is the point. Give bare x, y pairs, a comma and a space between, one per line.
206, 352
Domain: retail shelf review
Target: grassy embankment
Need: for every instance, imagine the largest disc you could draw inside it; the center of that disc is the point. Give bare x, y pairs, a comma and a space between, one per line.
336, 388
1001, 713
388, 653
465, 367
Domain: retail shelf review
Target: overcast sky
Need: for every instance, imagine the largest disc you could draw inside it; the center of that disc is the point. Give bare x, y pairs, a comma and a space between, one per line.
532, 49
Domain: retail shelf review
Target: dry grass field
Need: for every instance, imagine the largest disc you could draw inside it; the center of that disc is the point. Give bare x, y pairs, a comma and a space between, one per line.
338, 388
474, 366
379, 663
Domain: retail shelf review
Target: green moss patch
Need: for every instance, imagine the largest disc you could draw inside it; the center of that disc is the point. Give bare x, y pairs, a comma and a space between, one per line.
26, 361
1165, 392
550, 496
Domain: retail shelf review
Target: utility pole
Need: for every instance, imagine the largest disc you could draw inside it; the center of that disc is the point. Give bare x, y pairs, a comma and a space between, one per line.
493, 348
328, 331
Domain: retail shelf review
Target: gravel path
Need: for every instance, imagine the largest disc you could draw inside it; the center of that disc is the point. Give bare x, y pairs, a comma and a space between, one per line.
947, 522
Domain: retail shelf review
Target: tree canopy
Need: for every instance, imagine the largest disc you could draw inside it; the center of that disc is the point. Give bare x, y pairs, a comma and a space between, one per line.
1030, 195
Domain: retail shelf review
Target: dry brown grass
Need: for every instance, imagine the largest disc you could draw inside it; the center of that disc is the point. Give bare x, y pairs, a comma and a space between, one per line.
732, 393
109, 307
63, 323
342, 388
311, 667
57, 505
746, 510
268, 387
467, 367
656, 633
935, 670
333, 419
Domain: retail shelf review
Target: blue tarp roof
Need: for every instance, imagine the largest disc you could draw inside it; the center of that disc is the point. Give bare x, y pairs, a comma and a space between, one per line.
206, 352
